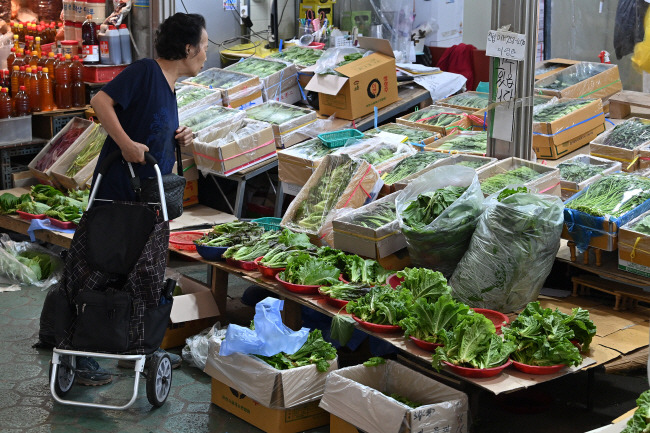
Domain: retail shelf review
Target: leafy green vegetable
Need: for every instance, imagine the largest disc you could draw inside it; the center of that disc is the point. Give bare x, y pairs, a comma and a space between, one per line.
424, 283
412, 165
43, 193
414, 135
382, 305
640, 421
469, 100
375, 216
473, 164
315, 351
92, 145
629, 134
33, 207
436, 116
308, 270
40, 263
9, 202
209, 116
259, 67
345, 291
313, 150
219, 79
404, 400
299, 55
65, 213
614, 194
431, 321
276, 112
254, 248
381, 154
473, 343
288, 244
342, 328
190, 94
229, 234
475, 142
558, 109
517, 176
542, 337
642, 226
578, 171
364, 271
374, 361
428, 206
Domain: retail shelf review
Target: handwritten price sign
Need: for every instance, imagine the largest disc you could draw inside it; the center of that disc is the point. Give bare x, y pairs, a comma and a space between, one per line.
506, 45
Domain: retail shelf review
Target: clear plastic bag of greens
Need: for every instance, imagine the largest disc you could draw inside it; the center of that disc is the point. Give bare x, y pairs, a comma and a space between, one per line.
196, 347
437, 214
336, 57
27, 263
191, 97
200, 118
511, 252
380, 153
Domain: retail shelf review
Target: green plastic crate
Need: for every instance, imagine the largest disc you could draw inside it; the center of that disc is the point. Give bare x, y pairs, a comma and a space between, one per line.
269, 223
339, 138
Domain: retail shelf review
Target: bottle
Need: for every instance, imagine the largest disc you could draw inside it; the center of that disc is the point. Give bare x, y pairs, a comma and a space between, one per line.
63, 91
20, 59
37, 46
125, 44
104, 57
10, 58
5, 103
33, 62
114, 50
34, 91
27, 82
78, 86
27, 59
21, 33
47, 91
7, 79
29, 43
21, 102
15, 81
49, 62
16, 42
90, 41
21, 76
42, 60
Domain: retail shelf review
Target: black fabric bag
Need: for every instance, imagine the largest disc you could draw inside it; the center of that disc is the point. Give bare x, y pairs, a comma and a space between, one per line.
173, 185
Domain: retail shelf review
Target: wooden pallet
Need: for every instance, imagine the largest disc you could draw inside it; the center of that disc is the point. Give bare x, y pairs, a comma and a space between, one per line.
626, 296
620, 105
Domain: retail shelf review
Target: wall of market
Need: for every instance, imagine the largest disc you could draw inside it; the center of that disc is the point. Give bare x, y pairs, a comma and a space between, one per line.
476, 22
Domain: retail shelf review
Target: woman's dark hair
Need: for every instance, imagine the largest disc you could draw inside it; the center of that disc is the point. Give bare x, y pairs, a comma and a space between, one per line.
176, 32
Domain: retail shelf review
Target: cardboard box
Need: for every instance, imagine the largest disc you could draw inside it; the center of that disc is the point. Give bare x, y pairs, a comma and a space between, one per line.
569, 188
359, 395
630, 159
234, 96
644, 157
73, 149
549, 67
364, 241
552, 140
293, 420
367, 83
407, 131
435, 146
78, 181
450, 101
192, 312
288, 95
214, 152
213, 98
287, 134
634, 249
273, 84
434, 111
191, 193
190, 170
298, 163
603, 82
547, 183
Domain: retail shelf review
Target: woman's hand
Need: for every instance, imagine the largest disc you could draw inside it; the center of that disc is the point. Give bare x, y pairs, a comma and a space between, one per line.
134, 152
184, 136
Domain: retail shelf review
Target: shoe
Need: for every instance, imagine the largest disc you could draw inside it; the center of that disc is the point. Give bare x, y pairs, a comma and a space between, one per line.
175, 360
89, 373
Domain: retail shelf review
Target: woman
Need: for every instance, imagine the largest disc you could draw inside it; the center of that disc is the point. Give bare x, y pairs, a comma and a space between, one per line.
138, 110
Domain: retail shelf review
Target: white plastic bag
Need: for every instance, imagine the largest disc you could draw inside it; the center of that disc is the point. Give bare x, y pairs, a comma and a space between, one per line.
196, 347
15, 271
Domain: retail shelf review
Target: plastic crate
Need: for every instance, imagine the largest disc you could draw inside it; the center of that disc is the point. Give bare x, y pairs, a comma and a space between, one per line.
101, 74
339, 138
15, 130
269, 223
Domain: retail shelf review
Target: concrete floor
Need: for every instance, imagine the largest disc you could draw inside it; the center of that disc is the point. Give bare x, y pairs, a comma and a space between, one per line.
27, 407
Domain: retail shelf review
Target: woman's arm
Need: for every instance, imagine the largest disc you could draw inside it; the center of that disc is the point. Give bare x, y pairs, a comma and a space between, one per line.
104, 107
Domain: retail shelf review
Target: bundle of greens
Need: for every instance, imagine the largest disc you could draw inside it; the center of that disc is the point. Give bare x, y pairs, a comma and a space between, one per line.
313, 150
375, 216
473, 343
258, 67
9, 202
345, 291
404, 400
641, 226
254, 248
640, 421
412, 165
428, 206
414, 135
43, 193
298, 55
517, 176
542, 337
92, 146
65, 213
324, 195
347, 58
431, 322
229, 234
276, 112
288, 244
379, 154
424, 283
219, 79
209, 116
190, 94
629, 134
470, 100
309, 271
39, 263
382, 305
364, 271
315, 351
33, 207
474, 142
436, 116
61, 144
556, 110
614, 195
578, 171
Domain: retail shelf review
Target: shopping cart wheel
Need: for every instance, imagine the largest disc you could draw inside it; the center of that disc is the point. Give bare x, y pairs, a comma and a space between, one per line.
65, 375
159, 378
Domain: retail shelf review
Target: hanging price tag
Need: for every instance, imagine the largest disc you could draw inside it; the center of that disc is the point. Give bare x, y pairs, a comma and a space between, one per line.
506, 84
506, 45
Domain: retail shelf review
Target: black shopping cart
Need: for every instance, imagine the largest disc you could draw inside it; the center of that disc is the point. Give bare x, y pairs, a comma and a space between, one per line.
113, 300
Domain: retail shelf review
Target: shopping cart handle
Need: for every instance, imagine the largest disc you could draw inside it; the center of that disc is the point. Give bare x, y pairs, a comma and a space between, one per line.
108, 161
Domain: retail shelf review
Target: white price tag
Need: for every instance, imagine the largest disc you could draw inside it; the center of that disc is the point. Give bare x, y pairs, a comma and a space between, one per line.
506, 45
506, 84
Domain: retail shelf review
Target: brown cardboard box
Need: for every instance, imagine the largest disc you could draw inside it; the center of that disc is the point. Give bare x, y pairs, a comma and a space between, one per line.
552, 66
235, 96
367, 83
192, 312
634, 249
435, 146
78, 181
287, 134
547, 183
463, 120
191, 193
570, 188
298, 163
339, 426
605, 83
631, 159
432, 136
566, 134
293, 420
272, 84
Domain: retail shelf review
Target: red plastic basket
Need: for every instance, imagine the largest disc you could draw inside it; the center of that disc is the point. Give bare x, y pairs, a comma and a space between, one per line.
380, 329
184, 240
477, 372
101, 74
337, 303
30, 216
496, 317
297, 288
538, 369
62, 224
317, 45
266, 271
431, 347
394, 281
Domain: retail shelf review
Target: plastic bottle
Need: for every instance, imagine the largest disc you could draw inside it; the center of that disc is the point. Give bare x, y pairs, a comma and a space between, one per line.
21, 33
19, 60
125, 44
78, 85
21, 102
63, 93
49, 62
90, 41
104, 56
47, 91
15, 81
33, 60
29, 43
21, 76
27, 58
37, 46
5, 103
7, 79
10, 58
34, 91
114, 50
27, 81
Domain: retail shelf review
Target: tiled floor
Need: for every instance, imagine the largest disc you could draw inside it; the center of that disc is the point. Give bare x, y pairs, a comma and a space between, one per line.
27, 407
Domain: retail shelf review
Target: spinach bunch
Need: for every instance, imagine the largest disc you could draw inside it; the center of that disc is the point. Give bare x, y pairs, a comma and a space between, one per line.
614, 194
517, 176
431, 322
309, 270
428, 206
254, 248
288, 244
315, 351
629, 134
412, 165
229, 234
382, 305
578, 171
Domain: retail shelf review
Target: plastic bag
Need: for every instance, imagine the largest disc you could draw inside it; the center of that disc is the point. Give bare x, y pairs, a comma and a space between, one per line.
628, 28
15, 271
311, 130
511, 253
332, 57
442, 243
641, 57
270, 335
196, 347
380, 153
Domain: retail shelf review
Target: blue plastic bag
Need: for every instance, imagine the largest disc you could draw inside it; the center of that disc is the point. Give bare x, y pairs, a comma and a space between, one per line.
270, 336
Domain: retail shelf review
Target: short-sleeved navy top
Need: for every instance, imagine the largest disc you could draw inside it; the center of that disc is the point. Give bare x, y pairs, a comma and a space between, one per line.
146, 108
